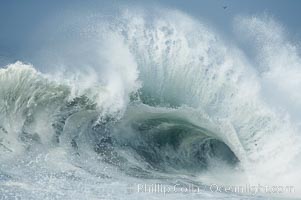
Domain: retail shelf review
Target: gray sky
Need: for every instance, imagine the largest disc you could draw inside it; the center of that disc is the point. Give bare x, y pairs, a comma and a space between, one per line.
19, 19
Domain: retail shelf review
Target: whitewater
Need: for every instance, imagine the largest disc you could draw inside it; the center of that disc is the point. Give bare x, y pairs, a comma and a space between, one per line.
152, 105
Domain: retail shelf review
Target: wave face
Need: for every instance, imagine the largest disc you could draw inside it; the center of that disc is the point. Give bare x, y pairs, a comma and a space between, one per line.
164, 98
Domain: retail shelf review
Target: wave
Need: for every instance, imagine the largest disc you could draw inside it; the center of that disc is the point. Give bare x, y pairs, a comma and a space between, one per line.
47, 113
168, 96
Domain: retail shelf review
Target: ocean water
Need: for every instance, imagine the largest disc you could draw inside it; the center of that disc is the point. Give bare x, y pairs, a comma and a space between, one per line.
154, 106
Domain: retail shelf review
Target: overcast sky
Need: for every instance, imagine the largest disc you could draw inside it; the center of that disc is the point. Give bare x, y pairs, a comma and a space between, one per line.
20, 19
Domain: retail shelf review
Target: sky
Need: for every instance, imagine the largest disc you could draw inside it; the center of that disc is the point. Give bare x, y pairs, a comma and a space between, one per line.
20, 20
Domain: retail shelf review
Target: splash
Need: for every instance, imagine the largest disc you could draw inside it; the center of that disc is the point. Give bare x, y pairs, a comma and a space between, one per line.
156, 97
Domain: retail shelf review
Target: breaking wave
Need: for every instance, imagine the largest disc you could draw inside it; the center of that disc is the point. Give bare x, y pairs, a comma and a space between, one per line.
164, 97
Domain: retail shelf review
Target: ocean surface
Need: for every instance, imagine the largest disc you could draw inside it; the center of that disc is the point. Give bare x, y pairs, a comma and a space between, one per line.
154, 105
